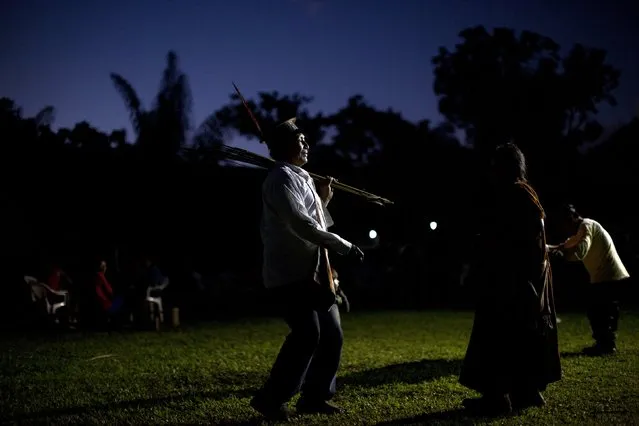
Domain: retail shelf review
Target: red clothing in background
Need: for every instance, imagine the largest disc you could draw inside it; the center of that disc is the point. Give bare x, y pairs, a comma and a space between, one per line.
54, 279
103, 291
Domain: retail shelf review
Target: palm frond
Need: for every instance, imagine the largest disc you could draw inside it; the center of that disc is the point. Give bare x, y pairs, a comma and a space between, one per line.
131, 100
173, 103
45, 117
169, 75
183, 101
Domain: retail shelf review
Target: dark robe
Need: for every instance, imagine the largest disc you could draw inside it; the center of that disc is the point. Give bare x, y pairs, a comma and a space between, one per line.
514, 343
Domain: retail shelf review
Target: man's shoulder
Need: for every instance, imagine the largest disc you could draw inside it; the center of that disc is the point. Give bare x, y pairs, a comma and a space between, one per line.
278, 176
276, 173
591, 226
282, 172
590, 223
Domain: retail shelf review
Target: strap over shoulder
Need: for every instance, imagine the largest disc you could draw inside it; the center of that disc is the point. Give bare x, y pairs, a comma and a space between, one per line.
530, 191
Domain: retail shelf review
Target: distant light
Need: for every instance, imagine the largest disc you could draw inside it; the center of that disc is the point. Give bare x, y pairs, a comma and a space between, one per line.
372, 234
433, 225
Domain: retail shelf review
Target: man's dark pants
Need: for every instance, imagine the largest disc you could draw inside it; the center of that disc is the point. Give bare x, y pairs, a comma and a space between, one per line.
310, 356
603, 311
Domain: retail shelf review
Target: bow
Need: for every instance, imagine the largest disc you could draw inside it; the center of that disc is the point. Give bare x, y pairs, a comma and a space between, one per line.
250, 113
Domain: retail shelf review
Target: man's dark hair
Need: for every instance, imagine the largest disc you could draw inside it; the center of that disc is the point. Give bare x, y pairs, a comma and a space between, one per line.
510, 162
570, 211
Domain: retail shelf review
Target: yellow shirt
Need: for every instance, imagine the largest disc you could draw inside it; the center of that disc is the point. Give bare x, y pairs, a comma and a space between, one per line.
593, 246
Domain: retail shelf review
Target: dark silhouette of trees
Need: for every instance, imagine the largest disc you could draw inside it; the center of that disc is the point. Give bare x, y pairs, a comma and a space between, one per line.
82, 191
391, 153
615, 165
356, 140
502, 86
270, 109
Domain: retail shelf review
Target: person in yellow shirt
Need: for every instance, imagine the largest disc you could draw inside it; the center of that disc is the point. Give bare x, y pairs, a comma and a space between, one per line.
592, 245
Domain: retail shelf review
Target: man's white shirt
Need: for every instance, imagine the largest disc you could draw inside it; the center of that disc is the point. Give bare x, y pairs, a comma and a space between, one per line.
294, 226
593, 246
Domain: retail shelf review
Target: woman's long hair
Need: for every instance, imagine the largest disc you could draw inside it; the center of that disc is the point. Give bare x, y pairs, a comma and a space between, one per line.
509, 163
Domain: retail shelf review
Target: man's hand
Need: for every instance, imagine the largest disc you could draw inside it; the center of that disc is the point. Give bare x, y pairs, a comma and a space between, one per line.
325, 191
556, 250
356, 253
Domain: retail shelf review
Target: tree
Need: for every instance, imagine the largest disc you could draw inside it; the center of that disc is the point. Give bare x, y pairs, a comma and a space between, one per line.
117, 139
9, 111
390, 147
362, 133
87, 137
165, 129
500, 87
587, 81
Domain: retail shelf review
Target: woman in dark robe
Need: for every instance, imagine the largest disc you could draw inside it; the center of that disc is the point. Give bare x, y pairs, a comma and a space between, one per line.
513, 350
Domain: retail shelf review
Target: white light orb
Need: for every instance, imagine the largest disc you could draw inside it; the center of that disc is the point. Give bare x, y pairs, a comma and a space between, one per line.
433, 225
372, 234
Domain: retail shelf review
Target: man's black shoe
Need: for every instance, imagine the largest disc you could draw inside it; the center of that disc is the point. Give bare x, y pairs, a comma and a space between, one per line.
523, 400
317, 407
600, 350
271, 411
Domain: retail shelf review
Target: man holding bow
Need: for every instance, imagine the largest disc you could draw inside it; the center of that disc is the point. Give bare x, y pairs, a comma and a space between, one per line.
297, 275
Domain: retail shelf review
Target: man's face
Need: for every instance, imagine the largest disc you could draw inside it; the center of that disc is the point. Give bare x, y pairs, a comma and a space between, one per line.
569, 224
299, 150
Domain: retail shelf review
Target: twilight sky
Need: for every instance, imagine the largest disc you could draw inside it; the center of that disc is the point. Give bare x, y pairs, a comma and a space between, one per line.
61, 52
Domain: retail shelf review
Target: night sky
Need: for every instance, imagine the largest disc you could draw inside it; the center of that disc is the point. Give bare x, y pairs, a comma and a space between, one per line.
61, 52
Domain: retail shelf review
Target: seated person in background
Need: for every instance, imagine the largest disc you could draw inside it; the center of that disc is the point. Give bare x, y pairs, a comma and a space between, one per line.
142, 274
342, 300
58, 279
104, 293
154, 277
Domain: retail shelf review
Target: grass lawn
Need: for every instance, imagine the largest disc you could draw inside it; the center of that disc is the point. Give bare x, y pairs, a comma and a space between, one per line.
397, 368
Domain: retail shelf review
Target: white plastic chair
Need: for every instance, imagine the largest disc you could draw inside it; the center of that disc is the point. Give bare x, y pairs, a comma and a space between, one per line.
37, 292
155, 300
41, 291
53, 308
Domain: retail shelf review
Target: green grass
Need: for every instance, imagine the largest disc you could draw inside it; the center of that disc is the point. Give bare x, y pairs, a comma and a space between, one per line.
397, 368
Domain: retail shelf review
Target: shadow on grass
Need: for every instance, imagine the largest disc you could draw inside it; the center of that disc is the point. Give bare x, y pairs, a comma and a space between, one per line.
257, 420
578, 354
408, 372
134, 403
582, 354
457, 416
